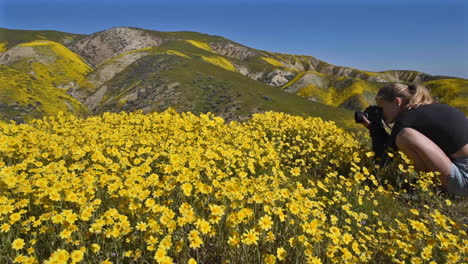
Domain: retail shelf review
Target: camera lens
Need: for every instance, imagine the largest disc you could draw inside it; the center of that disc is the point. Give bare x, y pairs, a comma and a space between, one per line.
359, 117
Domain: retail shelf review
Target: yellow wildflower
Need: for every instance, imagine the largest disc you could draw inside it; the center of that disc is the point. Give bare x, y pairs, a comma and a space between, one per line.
281, 253
95, 248
77, 255
18, 244
265, 222
251, 237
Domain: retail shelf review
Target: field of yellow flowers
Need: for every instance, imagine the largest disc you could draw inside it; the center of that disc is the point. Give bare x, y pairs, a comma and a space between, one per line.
182, 188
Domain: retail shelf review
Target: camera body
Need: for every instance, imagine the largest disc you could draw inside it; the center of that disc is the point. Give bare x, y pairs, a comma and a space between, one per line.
373, 113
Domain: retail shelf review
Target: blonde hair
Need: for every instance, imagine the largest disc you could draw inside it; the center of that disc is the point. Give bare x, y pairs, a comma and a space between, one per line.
415, 95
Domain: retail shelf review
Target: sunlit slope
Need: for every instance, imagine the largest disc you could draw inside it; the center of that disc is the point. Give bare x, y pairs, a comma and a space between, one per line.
158, 81
23, 97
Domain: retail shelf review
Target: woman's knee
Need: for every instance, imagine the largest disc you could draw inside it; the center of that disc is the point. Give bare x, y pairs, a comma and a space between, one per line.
406, 137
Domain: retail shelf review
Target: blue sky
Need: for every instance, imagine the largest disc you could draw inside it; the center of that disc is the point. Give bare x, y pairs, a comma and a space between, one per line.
425, 35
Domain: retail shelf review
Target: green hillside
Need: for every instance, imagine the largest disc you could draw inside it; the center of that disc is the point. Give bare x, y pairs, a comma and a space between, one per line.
189, 76
160, 81
344, 87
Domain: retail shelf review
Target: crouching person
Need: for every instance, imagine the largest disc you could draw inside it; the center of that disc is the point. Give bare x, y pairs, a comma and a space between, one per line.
434, 136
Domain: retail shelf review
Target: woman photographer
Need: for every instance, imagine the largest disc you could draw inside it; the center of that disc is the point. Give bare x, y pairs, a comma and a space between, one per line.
434, 136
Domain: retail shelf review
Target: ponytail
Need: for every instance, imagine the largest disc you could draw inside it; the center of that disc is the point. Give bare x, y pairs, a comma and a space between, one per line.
419, 96
414, 95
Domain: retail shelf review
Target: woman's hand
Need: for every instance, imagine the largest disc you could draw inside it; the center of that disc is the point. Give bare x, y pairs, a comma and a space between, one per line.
365, 122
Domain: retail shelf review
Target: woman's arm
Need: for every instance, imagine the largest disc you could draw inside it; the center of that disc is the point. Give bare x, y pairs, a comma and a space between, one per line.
381, 140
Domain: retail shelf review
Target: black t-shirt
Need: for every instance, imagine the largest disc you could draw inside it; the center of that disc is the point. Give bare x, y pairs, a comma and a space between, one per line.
445, 125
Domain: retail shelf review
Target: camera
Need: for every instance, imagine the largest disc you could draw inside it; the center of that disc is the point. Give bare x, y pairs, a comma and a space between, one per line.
373, 113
